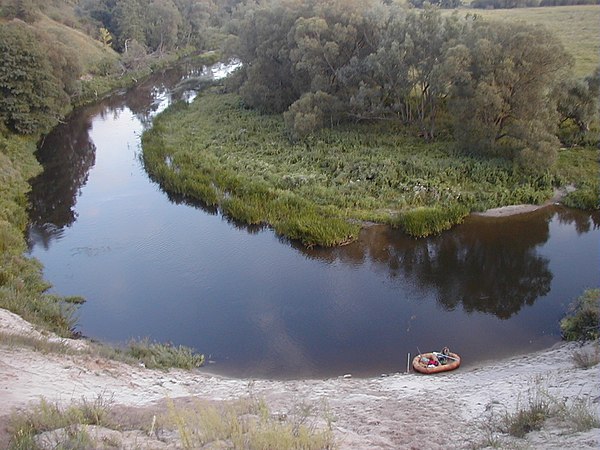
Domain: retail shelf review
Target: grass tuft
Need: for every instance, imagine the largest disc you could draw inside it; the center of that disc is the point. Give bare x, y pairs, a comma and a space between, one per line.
47, 416
163, 356
585, 359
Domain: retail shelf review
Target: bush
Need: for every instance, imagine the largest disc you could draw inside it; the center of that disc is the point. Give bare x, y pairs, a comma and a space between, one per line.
583, 320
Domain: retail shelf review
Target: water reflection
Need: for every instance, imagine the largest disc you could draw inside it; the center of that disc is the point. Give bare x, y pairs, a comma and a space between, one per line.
68, 153
486, 265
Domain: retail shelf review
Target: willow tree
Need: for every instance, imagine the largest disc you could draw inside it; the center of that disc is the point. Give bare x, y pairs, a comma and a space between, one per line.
501, 91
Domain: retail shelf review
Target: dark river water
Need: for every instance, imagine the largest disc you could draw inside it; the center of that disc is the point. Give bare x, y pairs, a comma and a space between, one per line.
257, 305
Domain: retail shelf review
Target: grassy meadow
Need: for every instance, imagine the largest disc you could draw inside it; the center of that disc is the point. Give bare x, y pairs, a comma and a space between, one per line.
578, 27
318, 190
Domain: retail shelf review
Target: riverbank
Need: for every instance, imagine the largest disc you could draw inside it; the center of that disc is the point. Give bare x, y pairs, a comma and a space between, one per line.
453, 410
513, 210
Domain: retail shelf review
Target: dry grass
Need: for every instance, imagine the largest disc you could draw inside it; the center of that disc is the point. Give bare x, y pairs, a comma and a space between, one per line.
576, 414
243, 424
248, 423
585, 359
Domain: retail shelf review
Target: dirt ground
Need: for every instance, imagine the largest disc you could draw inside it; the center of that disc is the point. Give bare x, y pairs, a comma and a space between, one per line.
401, 411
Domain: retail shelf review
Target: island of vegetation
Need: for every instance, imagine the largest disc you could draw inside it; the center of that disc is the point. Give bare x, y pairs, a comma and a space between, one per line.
346, 112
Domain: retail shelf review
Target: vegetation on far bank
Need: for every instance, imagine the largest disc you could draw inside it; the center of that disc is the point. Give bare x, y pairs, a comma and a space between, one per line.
398, 165
576, 27
371, 111
216, 151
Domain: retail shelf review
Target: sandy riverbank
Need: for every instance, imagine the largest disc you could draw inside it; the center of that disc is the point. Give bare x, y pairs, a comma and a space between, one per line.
395, 412
513, 210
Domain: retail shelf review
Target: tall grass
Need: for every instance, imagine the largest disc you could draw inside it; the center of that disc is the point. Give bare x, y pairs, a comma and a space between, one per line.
163, 356
246, 423
315, 190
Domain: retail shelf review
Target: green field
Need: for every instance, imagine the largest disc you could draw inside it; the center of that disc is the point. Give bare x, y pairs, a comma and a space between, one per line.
578, 27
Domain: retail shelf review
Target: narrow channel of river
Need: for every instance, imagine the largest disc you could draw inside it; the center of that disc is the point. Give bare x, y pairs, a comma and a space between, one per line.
153, 266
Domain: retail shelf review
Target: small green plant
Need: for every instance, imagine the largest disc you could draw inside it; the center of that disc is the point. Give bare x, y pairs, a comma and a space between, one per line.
583, 320
163, 356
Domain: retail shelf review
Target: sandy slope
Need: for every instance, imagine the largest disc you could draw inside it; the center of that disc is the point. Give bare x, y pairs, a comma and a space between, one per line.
395, 412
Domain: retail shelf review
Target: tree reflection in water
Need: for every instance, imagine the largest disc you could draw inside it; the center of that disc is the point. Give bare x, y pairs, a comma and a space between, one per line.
67, 153
488, 265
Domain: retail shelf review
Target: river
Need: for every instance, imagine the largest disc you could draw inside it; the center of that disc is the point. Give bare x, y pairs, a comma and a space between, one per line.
152, 265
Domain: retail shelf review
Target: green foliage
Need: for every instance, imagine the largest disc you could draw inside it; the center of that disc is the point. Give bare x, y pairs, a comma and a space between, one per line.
499, 96
568, 24
22, 288
578, 167
583, 321
31, 98
157, 25
326, 63
163, 356
310, 113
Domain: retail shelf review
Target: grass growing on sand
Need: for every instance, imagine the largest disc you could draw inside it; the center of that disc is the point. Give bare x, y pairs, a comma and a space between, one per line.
248, 423
242, 424
315, 191
47, 416
534, 408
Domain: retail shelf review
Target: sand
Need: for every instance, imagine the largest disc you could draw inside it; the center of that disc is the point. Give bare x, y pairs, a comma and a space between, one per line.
513, 210
448, 410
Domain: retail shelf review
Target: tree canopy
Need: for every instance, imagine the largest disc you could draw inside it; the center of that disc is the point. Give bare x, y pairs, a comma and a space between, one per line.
490, 83
31, 96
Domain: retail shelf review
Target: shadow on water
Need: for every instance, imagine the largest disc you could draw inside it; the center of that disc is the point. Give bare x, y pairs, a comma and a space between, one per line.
487, 265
